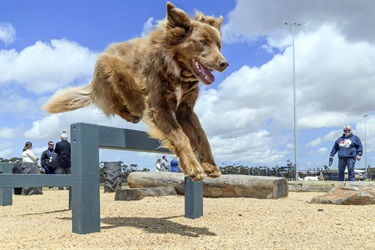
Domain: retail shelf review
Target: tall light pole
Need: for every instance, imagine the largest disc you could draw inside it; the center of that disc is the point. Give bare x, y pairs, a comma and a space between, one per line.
294, 99
366, 148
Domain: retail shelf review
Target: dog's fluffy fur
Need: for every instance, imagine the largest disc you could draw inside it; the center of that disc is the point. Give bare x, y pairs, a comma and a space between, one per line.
155, 78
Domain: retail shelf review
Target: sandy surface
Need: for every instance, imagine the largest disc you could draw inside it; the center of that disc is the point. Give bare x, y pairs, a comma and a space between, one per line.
43, 221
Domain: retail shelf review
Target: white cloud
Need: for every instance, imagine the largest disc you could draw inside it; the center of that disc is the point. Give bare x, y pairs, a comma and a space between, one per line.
315, 142
13, 103
6, 132
247, 21
7, 33
148, 26
6, 147
51, 126
7, 153
325, 76
45, 67
323, 151
5, 144
43, 128
251, 147
323, 89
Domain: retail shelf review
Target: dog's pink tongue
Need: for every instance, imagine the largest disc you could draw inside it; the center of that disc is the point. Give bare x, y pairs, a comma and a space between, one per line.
208, 76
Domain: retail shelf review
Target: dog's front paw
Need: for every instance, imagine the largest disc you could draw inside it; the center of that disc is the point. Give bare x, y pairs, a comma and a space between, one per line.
211, 170
193, 169
196, 174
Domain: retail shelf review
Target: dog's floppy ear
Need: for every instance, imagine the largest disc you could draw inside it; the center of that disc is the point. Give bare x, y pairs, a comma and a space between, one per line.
210, 20
177, 17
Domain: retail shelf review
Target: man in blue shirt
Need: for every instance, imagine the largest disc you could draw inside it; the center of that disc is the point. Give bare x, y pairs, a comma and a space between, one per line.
48, 159
349, 148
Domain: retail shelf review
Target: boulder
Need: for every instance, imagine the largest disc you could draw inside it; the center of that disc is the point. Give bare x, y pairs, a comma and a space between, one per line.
226, 186
130, 194
347, 195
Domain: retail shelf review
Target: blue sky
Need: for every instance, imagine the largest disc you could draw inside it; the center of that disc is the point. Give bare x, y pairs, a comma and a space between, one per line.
247, 113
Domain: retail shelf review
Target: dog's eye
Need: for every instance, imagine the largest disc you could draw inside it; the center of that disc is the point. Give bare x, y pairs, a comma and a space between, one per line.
203, 42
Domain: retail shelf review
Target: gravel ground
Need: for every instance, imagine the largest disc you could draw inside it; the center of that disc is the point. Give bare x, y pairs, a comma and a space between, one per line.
44, 222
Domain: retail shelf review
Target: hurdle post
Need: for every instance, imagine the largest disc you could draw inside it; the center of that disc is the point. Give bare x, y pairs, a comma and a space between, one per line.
6, 193
85, 197
193, 198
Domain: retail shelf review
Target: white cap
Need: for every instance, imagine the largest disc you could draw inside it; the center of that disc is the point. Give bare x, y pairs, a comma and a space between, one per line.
64, 135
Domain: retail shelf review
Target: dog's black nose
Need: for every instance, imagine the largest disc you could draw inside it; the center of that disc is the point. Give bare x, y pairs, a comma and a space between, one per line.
223, 64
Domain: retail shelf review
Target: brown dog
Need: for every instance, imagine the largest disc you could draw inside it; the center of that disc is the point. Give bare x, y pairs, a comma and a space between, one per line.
155, 78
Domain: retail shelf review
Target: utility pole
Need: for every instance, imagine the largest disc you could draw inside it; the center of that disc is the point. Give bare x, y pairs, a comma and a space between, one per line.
294, 100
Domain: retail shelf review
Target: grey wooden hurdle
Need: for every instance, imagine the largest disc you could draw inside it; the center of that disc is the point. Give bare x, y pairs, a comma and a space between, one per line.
5, 193
84, 194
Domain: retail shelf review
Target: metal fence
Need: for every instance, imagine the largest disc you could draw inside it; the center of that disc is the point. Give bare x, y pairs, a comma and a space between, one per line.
289, 172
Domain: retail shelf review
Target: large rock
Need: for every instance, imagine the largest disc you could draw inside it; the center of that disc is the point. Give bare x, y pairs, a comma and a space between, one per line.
347, 195
129, 194
225, 186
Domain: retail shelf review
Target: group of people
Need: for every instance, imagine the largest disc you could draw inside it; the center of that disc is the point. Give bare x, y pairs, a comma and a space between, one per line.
162, 165
54, 160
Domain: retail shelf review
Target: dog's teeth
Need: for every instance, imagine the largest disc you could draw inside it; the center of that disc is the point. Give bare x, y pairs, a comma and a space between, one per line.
198, 66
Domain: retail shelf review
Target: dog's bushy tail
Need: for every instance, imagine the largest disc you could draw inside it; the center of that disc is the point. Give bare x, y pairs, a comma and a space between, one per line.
69, 99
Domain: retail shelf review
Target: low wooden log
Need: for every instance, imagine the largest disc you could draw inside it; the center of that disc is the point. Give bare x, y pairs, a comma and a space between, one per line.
131, 194
226, 186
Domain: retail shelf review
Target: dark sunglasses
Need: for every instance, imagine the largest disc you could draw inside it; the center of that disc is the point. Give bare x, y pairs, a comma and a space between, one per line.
347, 131
51, 144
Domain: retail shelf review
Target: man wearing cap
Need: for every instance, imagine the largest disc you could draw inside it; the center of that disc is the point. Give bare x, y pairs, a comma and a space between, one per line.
62, 150
349, 148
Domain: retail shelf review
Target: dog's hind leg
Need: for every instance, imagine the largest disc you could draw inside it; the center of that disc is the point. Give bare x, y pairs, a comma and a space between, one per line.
116, 90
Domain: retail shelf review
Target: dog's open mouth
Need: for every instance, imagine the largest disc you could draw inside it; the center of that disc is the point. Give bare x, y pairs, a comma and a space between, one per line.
204, 74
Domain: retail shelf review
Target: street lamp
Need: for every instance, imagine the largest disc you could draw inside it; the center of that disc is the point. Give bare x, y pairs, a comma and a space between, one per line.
294, 98
366, 149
